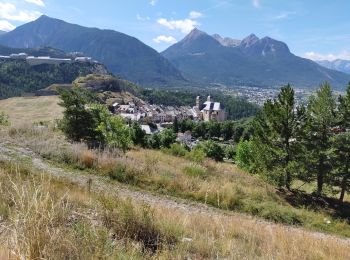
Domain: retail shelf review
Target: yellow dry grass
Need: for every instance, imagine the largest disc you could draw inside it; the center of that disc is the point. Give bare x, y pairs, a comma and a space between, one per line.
199, 235
27, 110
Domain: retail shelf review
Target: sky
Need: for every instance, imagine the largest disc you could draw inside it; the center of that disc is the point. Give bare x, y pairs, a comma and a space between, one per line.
316, 29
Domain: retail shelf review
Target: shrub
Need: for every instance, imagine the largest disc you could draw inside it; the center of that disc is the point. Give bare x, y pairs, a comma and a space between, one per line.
196, 155
176, 150
244, 155
214, 150
167, 137
4, 120
230, 152
122, 174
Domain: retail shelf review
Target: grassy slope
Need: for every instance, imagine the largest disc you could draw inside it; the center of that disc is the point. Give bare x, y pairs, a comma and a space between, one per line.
54, 219
220, 185
29, 110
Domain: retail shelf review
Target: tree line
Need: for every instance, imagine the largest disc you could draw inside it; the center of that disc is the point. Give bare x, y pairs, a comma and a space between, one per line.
18, 77
226, 131
309, 143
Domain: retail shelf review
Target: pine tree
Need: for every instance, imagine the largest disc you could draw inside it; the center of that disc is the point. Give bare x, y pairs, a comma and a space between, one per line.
341, 147
321, 117
340, 175
275, 136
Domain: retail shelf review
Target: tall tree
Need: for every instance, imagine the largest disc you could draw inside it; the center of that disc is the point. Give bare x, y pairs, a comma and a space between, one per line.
340, 174
341, 147
275, 135
78, 123
321, 117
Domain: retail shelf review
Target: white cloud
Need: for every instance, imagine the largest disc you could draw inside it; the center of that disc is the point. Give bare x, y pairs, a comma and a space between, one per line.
36, 2
9, 11
165, 39
256, 3
185, 25
283, 15
345, 55
6, 26
153, 2
141, 18
195, 15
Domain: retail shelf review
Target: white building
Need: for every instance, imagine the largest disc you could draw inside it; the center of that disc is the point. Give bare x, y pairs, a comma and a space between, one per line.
19, 56
34, 61
83, 59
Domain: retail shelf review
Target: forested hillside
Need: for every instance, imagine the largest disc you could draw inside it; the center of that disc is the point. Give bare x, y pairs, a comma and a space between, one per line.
18, 77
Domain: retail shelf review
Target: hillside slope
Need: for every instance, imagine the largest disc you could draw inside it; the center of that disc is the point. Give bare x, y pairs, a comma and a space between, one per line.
18, 77
188, 230
123, 55
252, 61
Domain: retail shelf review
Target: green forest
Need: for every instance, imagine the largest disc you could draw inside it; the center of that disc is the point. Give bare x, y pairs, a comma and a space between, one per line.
18, 77
309, 143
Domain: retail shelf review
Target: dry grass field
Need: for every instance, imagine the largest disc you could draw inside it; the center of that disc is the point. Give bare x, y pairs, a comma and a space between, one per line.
49, 218
27, 110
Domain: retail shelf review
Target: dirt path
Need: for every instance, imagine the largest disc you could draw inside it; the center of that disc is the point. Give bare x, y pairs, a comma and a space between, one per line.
99, 183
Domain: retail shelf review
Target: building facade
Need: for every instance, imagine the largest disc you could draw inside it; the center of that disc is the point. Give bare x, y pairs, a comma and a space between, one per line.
210, 110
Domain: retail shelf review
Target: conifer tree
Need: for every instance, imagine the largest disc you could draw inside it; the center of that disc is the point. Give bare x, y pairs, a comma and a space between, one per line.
275, 137
321, 117
341, 147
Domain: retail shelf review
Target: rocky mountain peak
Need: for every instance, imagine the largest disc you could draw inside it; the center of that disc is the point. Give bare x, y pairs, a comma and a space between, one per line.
228, 42
249, 40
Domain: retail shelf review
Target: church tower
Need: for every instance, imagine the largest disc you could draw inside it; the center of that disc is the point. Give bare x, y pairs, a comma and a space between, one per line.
198, 103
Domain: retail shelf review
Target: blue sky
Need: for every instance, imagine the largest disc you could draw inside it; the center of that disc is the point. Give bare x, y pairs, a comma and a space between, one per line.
318, 29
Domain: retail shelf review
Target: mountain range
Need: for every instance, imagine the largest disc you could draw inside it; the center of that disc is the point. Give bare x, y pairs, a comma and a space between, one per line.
251, 61
2, 32
199, 59
124, 55
340, 65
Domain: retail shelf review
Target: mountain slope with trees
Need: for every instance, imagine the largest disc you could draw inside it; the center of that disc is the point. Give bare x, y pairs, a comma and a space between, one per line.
18, 77
123, 55
252, 61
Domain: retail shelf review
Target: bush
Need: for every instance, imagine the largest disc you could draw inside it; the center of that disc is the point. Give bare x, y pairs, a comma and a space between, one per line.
214, 150
122, 174
244, 155
196, 155
167, 137
275, 213
176, 150
230, 152
4, 119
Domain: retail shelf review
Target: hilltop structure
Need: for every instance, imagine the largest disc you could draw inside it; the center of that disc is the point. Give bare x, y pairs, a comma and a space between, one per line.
34, 61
